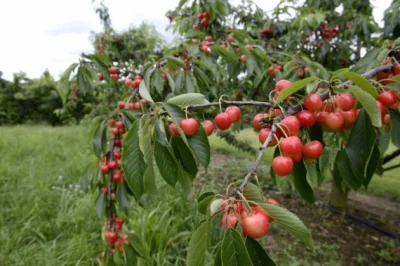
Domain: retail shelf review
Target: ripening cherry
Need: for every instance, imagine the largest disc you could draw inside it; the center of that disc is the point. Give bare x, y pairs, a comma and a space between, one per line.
136, 82
350, 118
128, 82
313, 102
104, 169
117, 155
328, 106
111, 123
173, 130
386, 119
115, 131
114, 77
243, 59
255, 225
131, 106
291, 146
306, 118
113, 70
282, 165
321, 118
209, 38
230, 38
306, 70
282, 84
143, 101
189, 126
396, 69
387, 98
256, 121
118, 143
249, 48
234, 113
119, 220
335, 122
229, 220
121, 131
223, 121
345, 101
237, 206
381, 107
112, 164
196, 27
116, 177
297, 157
137, 106
111, 236
208, 127
290, 125
121, 105
120, 124
313, 149
263, 135
100, 76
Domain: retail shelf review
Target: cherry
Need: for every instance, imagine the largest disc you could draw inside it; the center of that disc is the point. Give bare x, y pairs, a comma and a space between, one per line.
229, 220
381, 107
136, 82
105, 169
121, 131
209, 38
173, 130
114, 77
117, 155
291, 146
113, 70
117, 243
279, 67
243, 59
282, 165
282, 84
131, 106
208, 127
121, 105
306, 70
395, 106
128, 82
386, 119
335, 122
313, 149
290, 125
313, 102
223, 121
196, 27
104, 190
255, 225
120, 124
230, 39
189, 126
111, 123
237, 206
234, 113
258, 126
249, 48
113, 196
119, 220
396, 69
111, 236
143, 101
345, 101
306, 118
328, 106
321, 118
297, 157
117, 143
137, 106
387, 98
116, 177
100, 76
112, 164
350, 118
263, 135
115, 131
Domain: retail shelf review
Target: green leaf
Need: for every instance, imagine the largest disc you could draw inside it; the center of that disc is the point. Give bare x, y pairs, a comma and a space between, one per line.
218, 257
373, 163
84, 79
158, 81
122, 195
159, 130
133, 162
257, 253
252, 192
204, 201
312, 173
339, 72
369, 103
223, 52
176, 60
345, 170
102, 62
178, 82
96, 135
362, 83
171, 82
200, 145
186, 99
184, 156
197, 245
101, 205
361, 143
289, 221
299, 173
130, 258
144, 93
189, 84
137, 245
251, 64
395, 119
166, 164
294, 87
233, 249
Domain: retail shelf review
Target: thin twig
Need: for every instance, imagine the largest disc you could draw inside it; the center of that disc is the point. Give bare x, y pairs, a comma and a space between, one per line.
134, 92
391, 156
392, 167
109, 199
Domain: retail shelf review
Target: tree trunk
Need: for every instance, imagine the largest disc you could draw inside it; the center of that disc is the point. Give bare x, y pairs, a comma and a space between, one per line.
338, 199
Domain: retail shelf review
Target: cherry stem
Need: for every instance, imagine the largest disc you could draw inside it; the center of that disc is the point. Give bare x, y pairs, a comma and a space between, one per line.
246, 203
133, 94
280, 126
186, 112
109, 198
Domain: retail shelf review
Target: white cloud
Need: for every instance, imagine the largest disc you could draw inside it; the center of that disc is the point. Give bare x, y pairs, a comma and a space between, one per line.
48, 34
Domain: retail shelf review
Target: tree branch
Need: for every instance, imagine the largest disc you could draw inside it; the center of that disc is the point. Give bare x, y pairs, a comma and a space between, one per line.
110, 181
392, 167
134, 92
391, 156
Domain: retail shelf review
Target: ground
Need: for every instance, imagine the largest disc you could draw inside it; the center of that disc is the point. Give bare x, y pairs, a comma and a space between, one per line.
47, 219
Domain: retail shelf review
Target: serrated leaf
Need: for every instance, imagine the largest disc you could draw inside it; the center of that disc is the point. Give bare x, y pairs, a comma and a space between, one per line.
233, 249
294, 87
299, 173
204, 202
362, 83
122, 196
369, 103
179, 82
289, 221
200, 145
346, 171
171, 82
96, 135
395, 119
186, 99
197, 245
223, 52
373, 163
176, 60
158, 81
339, 72
169, 170
184, 156
100, 205
190, 88
133, 162
312, 173
257, 253
160, 134
130, 258
144, 93
252, 192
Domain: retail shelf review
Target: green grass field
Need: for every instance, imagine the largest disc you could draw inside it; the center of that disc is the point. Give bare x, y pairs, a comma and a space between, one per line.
46, 218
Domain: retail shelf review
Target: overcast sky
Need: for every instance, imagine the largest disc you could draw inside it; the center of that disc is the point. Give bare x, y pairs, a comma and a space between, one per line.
51, 34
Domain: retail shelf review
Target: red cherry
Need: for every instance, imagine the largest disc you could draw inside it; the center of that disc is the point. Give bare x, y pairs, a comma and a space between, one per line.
136, 83
279, 67
104, 190
282, 84
306, 70
345, 101
117, 155
243, 59
137, 106
121, 105
271, 200
396, 69
100, 76
111, 123
229, 220
113, 70
291, 146
120, 124
143, 101
114, 77
196, 27
321, 118
335, 122
189, 126
290, 125
255, 225
116, 177
117, 143
313, 149
234, 113
263, 135
381, 107
387, 98
128, 82
258, 126
230, 39
119, 220
249, 47
223, 121
121, 131
282, 165
386, 119
131, 106
313, 102
297, 157
208, 127
350, 118
328, 106
111, 236
395, 106
209, 38
112, 164
173, 130
306, 118
104, 169
115, 131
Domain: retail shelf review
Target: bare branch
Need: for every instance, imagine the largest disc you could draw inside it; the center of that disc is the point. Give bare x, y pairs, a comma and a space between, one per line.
392, 167
391, 156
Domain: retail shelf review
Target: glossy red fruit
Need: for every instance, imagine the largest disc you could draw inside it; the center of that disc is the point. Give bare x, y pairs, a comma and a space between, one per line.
230, 39
143, 101
255, 225
112, 164
263, 135
114, 77
328, 106
173, 130
306, 118
113, 70
117, 155
131, 106
282, 84
386, 119
189, 126
104, 169
387, 98
345, 101
196, 27
100, 76
291, 146
111, 123
313, 149
282, 165
136, 83
234, 113
321, 118
137, 106
290, 125
258, 126
119, 220
208, 127
119, 124
313, 102
128, 82
223, 121
116, 177
229, 220
350, 118
243, 59
115, 131
121, 105
396, 69
297, 157
381, 107
117, 143
111, 236
335, 122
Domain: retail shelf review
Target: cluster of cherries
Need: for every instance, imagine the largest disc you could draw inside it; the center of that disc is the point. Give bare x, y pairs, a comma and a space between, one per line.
328, 32
254, 221
203, 18
132, 105
273, 69
134, 83
113, 237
